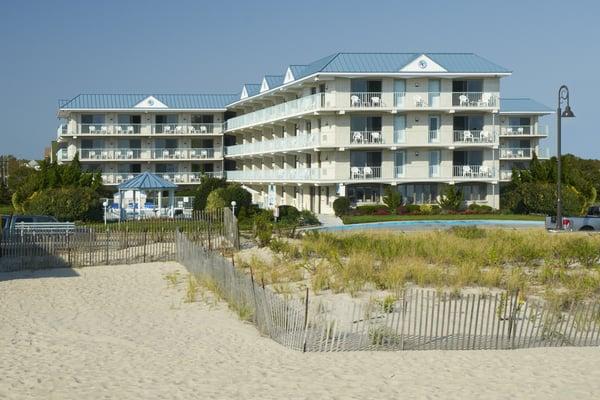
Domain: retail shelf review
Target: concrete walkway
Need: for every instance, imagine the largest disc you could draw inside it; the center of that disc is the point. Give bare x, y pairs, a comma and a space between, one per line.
329, 220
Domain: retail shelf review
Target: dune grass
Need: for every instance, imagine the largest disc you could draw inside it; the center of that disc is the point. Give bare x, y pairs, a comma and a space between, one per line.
560, 267
358, 219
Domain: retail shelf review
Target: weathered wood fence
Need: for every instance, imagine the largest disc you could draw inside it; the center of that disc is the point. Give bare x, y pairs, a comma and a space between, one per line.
420, 319
125, 243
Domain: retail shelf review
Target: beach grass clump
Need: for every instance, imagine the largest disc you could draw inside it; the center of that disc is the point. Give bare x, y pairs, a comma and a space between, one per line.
172, 278
191, 289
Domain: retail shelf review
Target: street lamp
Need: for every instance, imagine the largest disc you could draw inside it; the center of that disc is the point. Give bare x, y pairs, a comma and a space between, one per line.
105, 205
563, 98
233, 204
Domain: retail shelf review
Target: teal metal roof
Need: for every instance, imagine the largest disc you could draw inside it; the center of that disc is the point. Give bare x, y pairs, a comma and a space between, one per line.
274, 80
147, 181
252, 89
128, 101
296, 70
394, 62
523, 105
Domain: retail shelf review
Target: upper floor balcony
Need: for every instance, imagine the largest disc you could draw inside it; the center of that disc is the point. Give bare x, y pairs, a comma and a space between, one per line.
474, 136
522, 153
139, 129
131, 154
524, 131
289, 143
276, 175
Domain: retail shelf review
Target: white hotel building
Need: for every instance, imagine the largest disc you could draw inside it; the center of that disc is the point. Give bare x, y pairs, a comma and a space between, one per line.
349, 124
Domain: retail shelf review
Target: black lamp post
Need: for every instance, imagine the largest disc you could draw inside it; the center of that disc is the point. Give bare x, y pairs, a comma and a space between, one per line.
563, 97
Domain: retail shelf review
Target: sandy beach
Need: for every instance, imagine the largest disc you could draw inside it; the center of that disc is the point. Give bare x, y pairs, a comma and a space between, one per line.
123, 332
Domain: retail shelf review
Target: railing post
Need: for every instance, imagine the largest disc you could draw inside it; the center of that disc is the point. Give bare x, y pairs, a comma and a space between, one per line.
305, 321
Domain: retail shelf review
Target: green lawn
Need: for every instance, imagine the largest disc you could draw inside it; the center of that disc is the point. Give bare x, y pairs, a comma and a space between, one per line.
358, 219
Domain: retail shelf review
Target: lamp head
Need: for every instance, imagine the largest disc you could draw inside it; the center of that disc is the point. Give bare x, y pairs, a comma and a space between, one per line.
568, 113
233, 203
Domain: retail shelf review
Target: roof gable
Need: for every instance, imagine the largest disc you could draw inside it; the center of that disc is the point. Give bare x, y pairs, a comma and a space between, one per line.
250, 89
423, 64
150, 102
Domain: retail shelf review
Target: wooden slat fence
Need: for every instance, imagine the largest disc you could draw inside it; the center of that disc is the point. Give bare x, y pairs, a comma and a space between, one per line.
421, 319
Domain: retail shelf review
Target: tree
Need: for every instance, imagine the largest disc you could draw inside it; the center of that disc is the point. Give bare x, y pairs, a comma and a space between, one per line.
66, 204
207, 185
452, 199
215, 200
392, 199
341, 206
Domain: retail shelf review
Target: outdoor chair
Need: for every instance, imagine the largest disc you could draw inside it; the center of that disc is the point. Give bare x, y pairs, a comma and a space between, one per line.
167, 129
203, 129
92, 129
466, 170
203, 153
355, 101
119, 129
484, 136
179, 129
520, 130
464, 100
355, 172
485, 100
104, 129
368, 171
357, 137
375, 101
130, 129
419, 102
376, 137
467, 136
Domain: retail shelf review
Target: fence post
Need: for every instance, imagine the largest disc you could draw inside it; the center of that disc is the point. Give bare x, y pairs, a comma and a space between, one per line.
305, 321
69, 250
209, 234
512, 319
145, 238
254, 297
107, 235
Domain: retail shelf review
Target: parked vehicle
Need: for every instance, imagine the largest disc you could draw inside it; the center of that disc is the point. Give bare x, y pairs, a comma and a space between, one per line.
591, 222
34, 224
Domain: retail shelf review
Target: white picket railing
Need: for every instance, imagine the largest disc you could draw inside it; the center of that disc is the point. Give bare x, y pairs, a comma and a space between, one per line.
366, 100
473, 171
282, 174
301, 141
366, 137
367, 172
474, 136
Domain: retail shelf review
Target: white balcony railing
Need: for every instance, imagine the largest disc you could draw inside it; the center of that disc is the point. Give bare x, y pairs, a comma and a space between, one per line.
516, 153
301, 141
168, 129
366, 137
474, 99
366, 100
309, 103
474, 136
434, 136
115, 178
473, 172
416, 172
147, 154
505, 174
524, 130
367, 172
268, 175
400, 136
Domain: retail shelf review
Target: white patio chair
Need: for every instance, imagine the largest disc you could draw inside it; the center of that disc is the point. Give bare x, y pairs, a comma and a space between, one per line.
485, 100
355, 172
509, 130
118, 154
357, 137
203, 153
167, 129
129, 153
119, 178
104, 155
484, 136
178, 153
130, 176
375, 101
104, 129
467, 171
463, 100
130, 129
355, 101
467, 136
368, 171
484, 171
203, 129
193, 153
520, 130
92, 154
179, 129
376, 137
419, 102
191, 129
520, 153
178, 178
119, 129
165, 153
166, 177
91, 129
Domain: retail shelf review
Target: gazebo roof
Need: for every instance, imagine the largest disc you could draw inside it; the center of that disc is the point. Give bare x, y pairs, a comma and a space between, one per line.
147, 181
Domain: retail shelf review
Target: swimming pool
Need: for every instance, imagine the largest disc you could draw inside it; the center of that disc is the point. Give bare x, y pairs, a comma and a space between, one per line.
435, 224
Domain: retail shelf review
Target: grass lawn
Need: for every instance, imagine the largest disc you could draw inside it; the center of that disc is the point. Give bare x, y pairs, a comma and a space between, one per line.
357, 219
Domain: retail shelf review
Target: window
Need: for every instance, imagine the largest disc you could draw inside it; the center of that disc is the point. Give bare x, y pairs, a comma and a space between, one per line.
203, 119
419, 193
166, 168
365, 159
308, 127
363, 85
473, 192
92, 143
520, 122
370, 124
468, 85
364, 193
468, 122
470, 157
308, 161
93, 121
130, 144
202, 143
128, 122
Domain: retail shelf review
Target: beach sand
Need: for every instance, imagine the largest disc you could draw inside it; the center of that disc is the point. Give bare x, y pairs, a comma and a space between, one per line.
122, 332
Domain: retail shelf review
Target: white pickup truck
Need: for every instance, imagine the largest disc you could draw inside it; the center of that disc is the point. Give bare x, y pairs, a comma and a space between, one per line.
590, 222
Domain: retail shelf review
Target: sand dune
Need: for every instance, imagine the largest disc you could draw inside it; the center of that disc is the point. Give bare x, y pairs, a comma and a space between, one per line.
121, 332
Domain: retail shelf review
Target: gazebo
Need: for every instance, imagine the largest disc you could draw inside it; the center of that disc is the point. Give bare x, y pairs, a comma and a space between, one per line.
147, 182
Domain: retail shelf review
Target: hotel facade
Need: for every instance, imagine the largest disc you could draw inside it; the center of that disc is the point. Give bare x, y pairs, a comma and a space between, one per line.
350, 124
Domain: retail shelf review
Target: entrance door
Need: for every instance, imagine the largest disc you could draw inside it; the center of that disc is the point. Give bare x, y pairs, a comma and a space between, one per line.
434, 92
399, 92
434, 129
400, 129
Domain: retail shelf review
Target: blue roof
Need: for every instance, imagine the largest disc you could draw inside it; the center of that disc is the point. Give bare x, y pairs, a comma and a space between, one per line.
252, 89
128, 101
523, 105
147, 181
296, 70
394, 62
274, 80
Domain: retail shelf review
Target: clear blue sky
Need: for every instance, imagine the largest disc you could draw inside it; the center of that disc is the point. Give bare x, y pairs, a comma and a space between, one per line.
57, 49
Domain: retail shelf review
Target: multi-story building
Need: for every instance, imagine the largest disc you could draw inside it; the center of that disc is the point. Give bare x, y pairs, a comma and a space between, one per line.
179, 137
350, 124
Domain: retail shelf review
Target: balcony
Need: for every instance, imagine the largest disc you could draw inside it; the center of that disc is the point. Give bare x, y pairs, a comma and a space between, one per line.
146, 154
365, 173
289, 143
366, 137
524, 130
473, 172
505, 174
140, 129
115, 178
288, 109
525, 153
474, 137
366, 100
474, 100
272, 175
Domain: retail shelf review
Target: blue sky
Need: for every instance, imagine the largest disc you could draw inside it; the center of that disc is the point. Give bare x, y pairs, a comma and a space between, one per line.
57, 49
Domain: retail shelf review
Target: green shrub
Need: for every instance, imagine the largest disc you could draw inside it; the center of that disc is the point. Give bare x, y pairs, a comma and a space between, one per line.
392, 199
369, 209
451, 199
215, 200
207, 185
308, 218
263, 227
413, 208
289, 214
341, 206
66, 204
